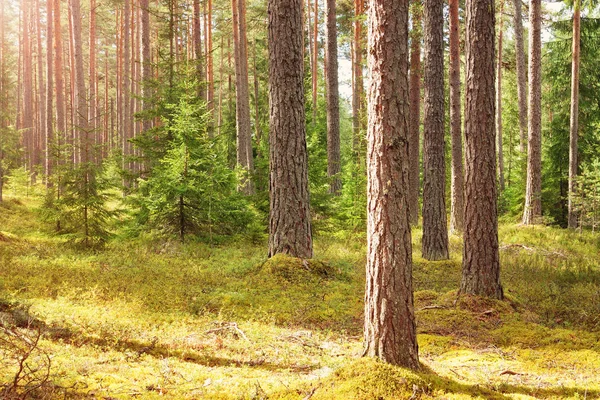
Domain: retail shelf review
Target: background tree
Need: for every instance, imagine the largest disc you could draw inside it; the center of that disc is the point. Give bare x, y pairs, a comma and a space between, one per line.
435, 231
414, 142
390, 331
574, 120
333, 102
457, 180
533, 202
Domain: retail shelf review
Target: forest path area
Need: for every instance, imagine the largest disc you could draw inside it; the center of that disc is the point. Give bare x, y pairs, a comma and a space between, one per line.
153, 318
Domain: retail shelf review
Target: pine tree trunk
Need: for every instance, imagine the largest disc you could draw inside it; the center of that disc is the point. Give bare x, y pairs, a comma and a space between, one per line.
499, 102
333, 103
481, 260
457, 183
290, 221
358, 87
147, 67
61, 119
245, 157
93, 97
126, 90
574, 122
315, 58
49, 95
196, 37
414, 125
40, 142
209, 61
80, 106
390, 331
533, 203
521, 74
27, 119
435, 232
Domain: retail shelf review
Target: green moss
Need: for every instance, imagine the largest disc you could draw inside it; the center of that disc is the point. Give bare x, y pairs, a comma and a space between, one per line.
294, 269
368, 378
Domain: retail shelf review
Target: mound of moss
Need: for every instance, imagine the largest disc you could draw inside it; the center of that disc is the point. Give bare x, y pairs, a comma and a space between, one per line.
294, 269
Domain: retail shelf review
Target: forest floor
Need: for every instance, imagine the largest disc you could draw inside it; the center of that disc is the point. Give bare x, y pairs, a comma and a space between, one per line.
149, 318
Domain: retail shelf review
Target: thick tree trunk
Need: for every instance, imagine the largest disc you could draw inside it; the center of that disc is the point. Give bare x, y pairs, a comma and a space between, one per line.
289, 224
390, 332
574, 123
245, 158
532, 212
333, 103
521, 74
457, 183
414, 125
499, 102
435, 232
481, 260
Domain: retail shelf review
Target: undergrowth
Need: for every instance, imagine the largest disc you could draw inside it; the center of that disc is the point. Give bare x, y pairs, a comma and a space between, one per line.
150, 317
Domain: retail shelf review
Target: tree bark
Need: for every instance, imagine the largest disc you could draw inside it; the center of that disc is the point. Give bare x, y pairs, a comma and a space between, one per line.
521, 74
533, 203
499, 102
481, 260
457, 183
333, 103
315, 58
435, 232
146, 61
93, 96
245, 158
574, 122
196, 37
414, 125
390, 332
40, 141
27, 118
80, 106
49, 162
289, 222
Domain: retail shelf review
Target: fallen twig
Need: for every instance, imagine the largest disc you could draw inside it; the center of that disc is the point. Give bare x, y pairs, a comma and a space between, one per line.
532, 250
229, 326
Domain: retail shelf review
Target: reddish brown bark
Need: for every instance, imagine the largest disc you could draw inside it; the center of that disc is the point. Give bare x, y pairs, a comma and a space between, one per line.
289, 220
532, 212
481, 260
333, 103
414, 126
574, 121
457, 182
435, 231
390, 332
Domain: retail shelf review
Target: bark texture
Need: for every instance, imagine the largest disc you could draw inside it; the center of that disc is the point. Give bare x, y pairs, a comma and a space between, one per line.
390, 332
245, 158
481, 261
574, 122
521, 74
289, 220
333, 103
499, 102
49, 94
80, 106
533, 202
435, 230
414, 142
457, 183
